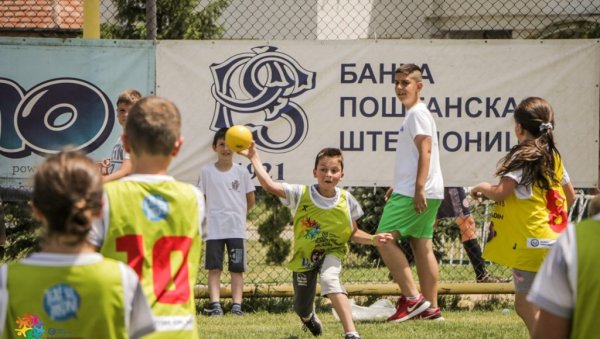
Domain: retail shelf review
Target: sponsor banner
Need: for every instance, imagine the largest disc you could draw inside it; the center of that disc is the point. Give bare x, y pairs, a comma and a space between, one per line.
55, 93
301, 96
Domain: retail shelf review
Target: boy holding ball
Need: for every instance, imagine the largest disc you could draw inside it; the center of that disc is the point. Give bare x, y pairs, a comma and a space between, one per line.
324, 221
229, 194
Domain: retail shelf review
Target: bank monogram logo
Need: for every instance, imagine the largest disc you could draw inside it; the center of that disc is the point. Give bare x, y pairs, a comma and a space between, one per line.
262, 82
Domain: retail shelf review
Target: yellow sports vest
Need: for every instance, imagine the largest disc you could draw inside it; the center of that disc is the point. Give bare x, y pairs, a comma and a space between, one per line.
318, 232
585, 323
522, 230
83, 301
154, 228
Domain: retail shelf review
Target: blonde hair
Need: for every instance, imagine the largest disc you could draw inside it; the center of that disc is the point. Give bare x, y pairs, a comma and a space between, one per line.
129, 97
153, 126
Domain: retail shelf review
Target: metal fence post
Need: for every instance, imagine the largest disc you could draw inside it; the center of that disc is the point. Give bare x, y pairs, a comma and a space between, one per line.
91, 19
151, 19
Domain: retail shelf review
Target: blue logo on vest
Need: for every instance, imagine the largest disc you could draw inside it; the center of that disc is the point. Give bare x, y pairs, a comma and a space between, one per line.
155, 207
61, 302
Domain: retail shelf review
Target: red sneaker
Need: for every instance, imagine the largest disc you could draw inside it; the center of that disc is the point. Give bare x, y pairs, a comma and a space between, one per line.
406, 308
430, 314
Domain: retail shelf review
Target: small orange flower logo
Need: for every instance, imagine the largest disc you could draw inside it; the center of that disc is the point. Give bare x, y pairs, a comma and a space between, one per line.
557, 216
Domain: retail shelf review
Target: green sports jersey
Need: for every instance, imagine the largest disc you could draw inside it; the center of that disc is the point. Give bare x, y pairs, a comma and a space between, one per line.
585, 323
74, 301
319, 231
154, 227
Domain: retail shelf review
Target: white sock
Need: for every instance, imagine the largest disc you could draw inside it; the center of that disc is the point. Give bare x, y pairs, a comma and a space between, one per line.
308, 318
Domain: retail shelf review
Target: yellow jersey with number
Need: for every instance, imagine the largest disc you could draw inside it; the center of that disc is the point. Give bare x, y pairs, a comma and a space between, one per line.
153, 226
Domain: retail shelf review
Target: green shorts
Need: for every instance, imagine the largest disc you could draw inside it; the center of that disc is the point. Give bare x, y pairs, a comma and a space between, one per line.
399, 215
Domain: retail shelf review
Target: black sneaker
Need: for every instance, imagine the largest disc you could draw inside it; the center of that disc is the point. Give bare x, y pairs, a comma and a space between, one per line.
352, 336
214, 310
313, 325
236, 309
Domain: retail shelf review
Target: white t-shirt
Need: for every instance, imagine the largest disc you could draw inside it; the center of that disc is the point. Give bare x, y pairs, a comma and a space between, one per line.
418, 121
526, 191
293, 193
555, 286
117, 156
138, 317
226, 204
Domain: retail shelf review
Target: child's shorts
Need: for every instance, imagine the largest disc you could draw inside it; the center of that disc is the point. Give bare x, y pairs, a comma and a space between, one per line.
523, 280
236, 254
305, 284
399, 215
455, 203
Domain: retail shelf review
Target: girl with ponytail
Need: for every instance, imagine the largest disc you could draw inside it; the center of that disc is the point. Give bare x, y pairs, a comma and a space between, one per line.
532, 200
67, 289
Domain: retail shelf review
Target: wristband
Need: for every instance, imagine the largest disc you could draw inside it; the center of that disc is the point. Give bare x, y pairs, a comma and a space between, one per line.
373, 240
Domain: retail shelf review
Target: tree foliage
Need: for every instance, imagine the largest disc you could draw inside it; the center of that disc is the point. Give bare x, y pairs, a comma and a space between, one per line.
179, 19
578, 29
270, 229
22, 231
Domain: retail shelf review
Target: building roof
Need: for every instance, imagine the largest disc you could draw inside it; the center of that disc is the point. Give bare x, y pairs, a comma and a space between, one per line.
41, 15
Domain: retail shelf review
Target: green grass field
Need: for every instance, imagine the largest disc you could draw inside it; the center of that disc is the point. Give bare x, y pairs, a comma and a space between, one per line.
458, 324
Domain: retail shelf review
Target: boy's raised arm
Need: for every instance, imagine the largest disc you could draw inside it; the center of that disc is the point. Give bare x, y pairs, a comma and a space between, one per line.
263, 177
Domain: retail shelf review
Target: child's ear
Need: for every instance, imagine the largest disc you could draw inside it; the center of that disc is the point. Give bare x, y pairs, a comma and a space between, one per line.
126, 146
177, 146
37, 214
518, 128
314, 173
98, 213
420, 85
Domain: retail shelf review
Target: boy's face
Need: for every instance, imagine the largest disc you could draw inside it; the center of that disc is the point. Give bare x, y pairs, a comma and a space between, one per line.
122, 112
328, 172
407, 89
222, 150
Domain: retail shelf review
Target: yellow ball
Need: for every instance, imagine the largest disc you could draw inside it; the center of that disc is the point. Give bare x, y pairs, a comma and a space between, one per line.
238, 138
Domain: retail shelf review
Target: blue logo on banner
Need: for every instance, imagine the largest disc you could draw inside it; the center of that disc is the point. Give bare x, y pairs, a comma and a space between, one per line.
155, 207
52, 115
61, 302
263, 81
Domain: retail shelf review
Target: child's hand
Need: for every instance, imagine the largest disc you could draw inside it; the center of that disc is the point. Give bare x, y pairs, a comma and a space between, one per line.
388, 193
475, 193
381, 238
249, 152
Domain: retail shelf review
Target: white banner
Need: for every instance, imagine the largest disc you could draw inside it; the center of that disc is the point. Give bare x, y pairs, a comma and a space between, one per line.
301, 96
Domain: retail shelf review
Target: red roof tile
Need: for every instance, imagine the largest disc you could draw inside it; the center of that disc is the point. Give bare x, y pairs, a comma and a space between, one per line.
48, 15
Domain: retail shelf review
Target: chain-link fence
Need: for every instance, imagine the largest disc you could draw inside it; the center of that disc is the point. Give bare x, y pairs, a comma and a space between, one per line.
458, 253
310, 20
267, 259
323, 20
